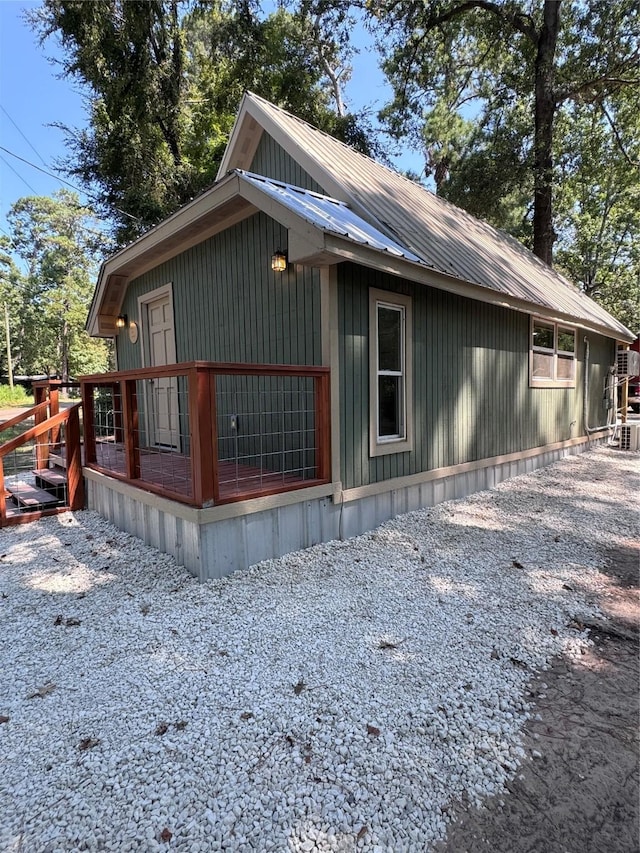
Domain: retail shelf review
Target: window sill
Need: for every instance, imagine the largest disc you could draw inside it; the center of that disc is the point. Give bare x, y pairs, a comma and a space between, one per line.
384, 448
552, 383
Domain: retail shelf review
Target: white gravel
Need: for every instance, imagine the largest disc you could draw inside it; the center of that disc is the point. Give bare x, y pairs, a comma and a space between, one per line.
341, 698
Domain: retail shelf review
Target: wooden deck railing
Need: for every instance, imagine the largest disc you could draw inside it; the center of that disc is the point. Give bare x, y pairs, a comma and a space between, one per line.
46, 433
207, 433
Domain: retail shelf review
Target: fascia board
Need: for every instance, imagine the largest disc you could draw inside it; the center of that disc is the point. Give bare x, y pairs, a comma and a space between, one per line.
180, 220
373, 258
243, 140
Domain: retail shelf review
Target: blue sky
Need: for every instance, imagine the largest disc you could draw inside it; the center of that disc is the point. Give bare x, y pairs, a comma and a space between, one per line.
33, 98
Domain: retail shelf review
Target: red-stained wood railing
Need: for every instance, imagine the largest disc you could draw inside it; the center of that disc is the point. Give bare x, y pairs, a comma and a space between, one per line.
200, 379
72, 450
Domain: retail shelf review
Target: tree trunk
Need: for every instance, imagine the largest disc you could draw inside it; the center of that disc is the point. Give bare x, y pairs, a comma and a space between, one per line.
545, 109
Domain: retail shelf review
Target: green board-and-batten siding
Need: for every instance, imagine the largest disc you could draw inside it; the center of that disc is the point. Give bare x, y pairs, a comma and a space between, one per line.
272, 161
228, 303
471, 395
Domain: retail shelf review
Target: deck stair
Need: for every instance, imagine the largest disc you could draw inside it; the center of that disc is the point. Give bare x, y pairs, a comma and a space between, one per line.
31, 497
32, 485
52, 480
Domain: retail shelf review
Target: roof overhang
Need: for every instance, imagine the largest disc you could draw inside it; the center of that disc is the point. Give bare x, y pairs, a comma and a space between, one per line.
215, 210
236, 197
256, 116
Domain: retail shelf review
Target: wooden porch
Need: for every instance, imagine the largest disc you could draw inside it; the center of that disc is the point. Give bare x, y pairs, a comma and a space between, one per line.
206, 433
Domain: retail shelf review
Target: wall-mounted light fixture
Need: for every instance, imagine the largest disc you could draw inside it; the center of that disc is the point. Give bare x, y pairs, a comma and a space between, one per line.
121, 321
278, 261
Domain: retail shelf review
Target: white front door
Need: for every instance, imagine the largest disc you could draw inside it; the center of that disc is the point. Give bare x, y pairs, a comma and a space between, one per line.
162, 399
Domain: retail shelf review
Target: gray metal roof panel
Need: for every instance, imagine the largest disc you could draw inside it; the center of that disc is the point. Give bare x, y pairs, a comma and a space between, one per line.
328, 214
442, 236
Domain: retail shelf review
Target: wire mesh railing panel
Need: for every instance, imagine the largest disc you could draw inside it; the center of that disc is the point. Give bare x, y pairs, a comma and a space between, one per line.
155, 433
35, 477
266, 431
163, 433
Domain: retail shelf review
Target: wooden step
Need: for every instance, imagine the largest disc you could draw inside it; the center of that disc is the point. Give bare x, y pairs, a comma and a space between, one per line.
52, 480
31, 497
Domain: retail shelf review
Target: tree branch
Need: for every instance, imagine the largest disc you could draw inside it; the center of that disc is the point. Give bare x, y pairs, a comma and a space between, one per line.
520, 22
617, 136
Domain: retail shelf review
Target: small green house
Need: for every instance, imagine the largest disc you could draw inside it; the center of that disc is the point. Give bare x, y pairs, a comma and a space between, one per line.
316, 344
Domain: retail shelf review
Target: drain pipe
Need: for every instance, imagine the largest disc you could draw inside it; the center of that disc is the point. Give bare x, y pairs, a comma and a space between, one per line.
585, 401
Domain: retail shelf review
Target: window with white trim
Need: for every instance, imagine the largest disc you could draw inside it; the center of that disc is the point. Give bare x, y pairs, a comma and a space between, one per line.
390, 363
552, 359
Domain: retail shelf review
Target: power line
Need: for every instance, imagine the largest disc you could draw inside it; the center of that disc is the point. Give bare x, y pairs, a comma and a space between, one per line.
37, 153
24, 180
62, 181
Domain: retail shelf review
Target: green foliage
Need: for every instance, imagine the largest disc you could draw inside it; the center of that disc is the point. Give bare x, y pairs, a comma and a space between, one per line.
165, 79
503, 97
49, 302
598, 203
15, 396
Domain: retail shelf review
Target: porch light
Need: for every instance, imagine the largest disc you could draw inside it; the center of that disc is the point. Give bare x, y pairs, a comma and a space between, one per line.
278, 261
121, 321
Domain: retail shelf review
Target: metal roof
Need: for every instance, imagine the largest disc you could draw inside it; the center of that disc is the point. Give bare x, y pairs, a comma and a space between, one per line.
328, 214
418, 223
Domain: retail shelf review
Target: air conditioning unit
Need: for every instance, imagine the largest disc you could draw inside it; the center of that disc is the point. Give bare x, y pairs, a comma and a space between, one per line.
628, 362
630, 436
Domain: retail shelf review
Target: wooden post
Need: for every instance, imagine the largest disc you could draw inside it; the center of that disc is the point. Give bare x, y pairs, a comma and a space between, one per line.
204, 456
75, 480
54, 408
323, 427
3, 496
88, 423
42, 440
131, 429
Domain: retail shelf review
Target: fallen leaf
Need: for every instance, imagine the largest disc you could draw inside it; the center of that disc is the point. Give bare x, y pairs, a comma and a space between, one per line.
517, 565
361, 834
72, 622
389, 644
43, 691
299, 687
162, 728
246, 715
166, 834
554, 632
373, 731
88, 743
3, 719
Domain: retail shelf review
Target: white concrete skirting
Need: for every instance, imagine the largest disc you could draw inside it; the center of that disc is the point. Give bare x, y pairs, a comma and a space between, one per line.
214, 542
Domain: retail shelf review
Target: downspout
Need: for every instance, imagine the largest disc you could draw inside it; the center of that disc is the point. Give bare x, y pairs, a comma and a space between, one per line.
585, 400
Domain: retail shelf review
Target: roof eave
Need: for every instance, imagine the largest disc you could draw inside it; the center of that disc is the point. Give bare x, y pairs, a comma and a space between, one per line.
341, 248
150, 243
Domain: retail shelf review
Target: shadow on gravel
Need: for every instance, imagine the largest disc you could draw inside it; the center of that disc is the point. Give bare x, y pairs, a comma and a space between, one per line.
580, 790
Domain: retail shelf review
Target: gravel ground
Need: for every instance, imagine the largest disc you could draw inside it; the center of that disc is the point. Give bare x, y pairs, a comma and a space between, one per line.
346, 697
